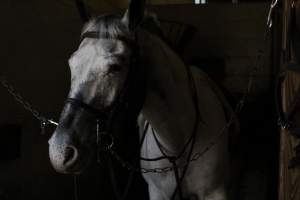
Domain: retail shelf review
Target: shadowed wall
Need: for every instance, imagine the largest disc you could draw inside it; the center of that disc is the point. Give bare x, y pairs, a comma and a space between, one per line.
37, 39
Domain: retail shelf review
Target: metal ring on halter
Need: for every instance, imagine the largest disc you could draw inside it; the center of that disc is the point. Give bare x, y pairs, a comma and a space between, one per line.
101, 134
45, 122
105, 146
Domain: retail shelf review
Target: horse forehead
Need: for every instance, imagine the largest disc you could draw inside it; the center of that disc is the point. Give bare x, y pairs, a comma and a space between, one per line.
104, 47
99, 51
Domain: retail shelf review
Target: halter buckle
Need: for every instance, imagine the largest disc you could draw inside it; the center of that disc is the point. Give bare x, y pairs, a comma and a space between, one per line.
105, 141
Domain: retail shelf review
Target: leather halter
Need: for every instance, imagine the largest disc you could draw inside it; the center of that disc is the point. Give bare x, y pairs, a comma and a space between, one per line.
90, 109
104, 118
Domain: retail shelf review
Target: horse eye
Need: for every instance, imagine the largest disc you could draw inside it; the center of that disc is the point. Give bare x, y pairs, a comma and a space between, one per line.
115, 68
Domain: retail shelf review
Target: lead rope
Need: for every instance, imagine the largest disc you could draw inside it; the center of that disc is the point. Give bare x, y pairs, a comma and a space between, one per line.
178, 181
98, 141
75, 187
172, 160
115, 183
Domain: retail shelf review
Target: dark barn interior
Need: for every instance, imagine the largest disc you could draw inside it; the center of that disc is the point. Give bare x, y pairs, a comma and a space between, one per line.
224, 39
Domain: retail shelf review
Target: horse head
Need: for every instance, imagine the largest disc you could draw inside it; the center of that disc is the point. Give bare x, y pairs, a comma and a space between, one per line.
104, 73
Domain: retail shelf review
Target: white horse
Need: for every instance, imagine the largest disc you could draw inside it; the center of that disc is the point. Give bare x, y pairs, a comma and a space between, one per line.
180, 111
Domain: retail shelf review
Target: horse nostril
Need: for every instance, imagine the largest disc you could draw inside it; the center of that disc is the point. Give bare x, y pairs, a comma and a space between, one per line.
71, 155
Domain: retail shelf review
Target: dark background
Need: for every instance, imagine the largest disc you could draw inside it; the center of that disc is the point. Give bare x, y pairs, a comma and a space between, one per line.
37, 37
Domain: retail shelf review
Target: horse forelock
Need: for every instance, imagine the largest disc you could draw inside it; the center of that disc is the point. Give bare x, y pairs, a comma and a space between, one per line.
111, 27
108, 26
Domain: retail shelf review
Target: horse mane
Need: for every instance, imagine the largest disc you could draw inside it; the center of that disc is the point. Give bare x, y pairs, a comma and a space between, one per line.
110, 26
177, 35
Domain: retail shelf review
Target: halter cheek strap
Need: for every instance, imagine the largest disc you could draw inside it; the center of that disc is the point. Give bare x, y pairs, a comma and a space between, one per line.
104, 141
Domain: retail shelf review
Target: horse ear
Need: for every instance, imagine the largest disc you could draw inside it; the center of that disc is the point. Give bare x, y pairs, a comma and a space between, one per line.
134, 14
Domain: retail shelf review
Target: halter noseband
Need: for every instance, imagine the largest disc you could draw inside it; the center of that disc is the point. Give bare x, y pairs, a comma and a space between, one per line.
105, 140
88, 108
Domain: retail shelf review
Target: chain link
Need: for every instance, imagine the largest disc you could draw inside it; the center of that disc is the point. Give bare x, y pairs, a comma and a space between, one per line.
26, 105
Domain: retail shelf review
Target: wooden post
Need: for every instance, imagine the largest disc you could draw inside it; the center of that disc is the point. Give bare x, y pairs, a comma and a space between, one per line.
289, 179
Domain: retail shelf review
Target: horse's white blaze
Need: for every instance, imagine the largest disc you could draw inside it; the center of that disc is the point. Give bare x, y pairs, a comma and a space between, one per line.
91, 72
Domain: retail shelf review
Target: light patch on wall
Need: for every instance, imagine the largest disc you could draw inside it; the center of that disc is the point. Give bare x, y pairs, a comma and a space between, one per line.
114, 5
200, 1
156, 2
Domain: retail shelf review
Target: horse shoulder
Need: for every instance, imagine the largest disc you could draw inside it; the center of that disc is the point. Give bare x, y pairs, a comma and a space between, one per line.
203, 80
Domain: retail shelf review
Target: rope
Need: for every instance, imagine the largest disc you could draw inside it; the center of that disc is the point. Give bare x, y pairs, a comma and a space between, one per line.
75, 187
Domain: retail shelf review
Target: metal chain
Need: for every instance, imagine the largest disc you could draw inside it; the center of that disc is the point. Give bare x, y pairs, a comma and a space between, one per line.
131, 167
194, 158
26, 105
167, 169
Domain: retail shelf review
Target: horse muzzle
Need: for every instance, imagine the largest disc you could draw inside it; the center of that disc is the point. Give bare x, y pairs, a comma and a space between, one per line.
65, 157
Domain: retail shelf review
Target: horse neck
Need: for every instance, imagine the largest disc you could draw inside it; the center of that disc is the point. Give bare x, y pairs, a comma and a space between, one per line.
168, 105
